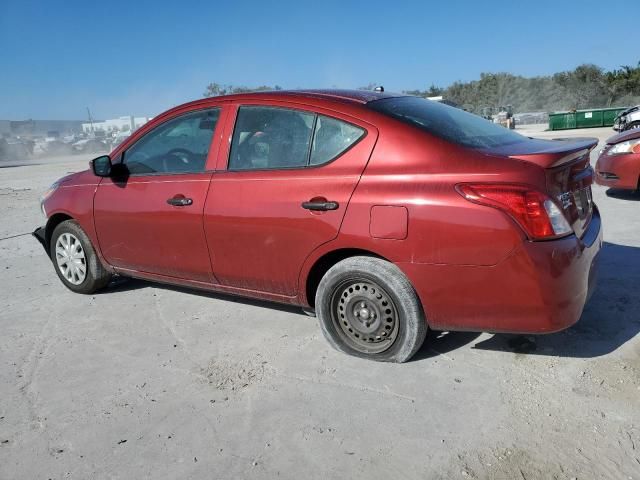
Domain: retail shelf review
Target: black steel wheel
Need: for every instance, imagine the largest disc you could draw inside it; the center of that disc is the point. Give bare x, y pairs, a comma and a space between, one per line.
367, 307
365, 314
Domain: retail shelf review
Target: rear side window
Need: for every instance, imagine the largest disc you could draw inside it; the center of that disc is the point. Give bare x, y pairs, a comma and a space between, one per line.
274, 138
448, 123
331, 138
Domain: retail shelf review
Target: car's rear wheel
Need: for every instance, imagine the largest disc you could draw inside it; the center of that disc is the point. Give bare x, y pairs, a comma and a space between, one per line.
75, 259
367, 307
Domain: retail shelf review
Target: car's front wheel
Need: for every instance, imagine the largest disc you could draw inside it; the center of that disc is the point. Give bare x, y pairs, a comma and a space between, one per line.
75, 259
367, 307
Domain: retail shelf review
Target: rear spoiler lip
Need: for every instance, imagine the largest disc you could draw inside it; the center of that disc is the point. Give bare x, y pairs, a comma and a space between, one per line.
571, 157
559, 153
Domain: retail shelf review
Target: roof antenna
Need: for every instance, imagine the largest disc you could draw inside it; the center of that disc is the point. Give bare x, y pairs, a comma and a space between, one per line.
379, 88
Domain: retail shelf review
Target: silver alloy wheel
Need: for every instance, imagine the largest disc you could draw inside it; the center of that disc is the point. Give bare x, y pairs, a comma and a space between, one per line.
71, 259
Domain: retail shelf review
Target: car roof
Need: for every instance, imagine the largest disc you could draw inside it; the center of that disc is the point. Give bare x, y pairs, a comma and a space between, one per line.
354, 97
349, 100
351, 96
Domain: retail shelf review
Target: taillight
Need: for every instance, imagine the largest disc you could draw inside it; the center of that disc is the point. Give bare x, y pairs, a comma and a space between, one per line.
535, 212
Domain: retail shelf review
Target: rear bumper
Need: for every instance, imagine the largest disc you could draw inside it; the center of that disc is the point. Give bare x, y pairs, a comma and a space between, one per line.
541, 287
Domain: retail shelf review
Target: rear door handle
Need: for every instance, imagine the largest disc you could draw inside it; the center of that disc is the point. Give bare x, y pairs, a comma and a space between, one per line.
179, 201
320, 206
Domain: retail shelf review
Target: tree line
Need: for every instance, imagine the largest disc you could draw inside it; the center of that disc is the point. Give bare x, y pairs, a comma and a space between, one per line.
217, 89
586, 86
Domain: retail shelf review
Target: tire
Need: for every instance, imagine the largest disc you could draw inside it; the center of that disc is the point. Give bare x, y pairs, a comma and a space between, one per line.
632, 126
82, 271
367, 308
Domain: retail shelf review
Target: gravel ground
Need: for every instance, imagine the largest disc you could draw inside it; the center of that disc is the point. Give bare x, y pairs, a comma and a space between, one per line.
147, 381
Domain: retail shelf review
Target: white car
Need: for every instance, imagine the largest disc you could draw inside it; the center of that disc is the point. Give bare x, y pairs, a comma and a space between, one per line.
627, 120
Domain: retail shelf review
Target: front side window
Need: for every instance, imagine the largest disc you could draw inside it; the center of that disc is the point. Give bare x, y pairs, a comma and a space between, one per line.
179, 145
271, 138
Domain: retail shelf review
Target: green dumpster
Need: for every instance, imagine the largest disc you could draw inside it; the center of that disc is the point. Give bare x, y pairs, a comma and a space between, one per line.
589, 119
562, 120
610, 114
597, 117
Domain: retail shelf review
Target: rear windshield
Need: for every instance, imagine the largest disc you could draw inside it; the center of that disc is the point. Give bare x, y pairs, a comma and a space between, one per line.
448, 123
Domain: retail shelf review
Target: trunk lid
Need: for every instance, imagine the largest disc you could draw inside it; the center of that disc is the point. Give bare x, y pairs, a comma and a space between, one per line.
568, 173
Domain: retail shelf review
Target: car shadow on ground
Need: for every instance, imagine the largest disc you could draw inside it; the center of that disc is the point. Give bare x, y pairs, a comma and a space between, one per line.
623, 194
121, 284
610, 319
441, 343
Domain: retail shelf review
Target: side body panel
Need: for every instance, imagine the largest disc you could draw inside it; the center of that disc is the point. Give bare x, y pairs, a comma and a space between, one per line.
413, 170
471, 265
258, 233
138, 230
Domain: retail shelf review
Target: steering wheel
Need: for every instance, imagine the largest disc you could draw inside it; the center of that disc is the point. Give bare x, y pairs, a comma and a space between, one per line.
184, 157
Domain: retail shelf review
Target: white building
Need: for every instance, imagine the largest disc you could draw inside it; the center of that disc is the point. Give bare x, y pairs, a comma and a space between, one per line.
121, 124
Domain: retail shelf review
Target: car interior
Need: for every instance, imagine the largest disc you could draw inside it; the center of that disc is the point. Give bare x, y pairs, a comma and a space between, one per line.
270, 138
179, 146
266, 138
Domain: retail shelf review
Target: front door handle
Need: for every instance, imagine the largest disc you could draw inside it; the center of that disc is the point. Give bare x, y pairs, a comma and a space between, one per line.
179, 201
320, 206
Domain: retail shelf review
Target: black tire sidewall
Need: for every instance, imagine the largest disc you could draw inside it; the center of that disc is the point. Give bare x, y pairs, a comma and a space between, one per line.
96, 276
412, 322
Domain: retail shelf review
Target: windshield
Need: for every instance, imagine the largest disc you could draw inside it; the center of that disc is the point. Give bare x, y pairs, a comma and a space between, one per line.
448, 123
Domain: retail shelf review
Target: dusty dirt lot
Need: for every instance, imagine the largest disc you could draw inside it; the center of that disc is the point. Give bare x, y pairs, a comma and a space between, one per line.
146, 381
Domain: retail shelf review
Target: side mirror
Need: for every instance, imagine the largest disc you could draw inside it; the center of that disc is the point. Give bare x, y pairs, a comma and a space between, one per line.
101, 166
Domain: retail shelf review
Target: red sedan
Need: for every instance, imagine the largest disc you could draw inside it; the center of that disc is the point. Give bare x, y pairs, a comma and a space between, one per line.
387, 214
619, 163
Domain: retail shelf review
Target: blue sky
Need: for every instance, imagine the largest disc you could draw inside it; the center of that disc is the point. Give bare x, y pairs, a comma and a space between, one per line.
141, 57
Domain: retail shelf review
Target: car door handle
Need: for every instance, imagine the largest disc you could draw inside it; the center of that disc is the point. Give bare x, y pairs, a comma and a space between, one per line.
320, 206
179, 201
